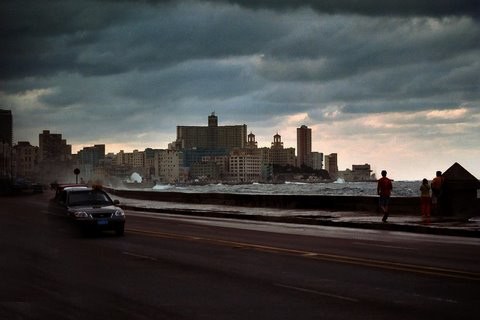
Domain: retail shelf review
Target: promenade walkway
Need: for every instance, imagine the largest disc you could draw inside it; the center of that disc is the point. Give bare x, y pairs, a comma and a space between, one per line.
350, 219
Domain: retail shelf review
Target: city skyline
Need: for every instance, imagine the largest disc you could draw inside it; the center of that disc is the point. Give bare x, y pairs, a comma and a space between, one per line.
76, 149
394, 85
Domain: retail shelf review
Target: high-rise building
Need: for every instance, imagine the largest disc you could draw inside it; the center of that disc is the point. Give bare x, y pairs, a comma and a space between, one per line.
331, 165
304, 146
359, 172
88, 159
137, 159
53, 148
206, 171
245, 166
222, 162
278, 155
211, 137
55, 159
92, 155
6, 127
134, 159
212, 120
150, 162
26, 158
249, 163
6, 163
317, 160
251, 143
168, 165
193, 155
277, 142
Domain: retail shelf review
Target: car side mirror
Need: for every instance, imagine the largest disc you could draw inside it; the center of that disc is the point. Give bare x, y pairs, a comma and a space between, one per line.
116, 202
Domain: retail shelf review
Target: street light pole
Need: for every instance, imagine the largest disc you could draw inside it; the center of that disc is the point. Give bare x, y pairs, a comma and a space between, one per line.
11, 162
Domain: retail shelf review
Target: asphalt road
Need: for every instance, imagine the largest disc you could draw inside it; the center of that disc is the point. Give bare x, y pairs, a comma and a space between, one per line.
170, 267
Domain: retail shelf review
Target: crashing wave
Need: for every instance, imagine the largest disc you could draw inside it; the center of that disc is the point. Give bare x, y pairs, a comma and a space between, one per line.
135, 177
162, 187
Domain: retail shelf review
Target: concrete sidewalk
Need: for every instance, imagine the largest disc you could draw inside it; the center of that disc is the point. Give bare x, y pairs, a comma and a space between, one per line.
349, 219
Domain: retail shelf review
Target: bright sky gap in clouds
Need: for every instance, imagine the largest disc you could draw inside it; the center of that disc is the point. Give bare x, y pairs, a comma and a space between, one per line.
395, 84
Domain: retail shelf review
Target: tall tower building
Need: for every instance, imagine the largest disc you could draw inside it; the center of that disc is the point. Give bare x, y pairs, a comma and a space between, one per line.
6, 128
52, 147
251, 143
26, 157
277, 142
304, 146
278, 155
92, 155
331, 165
317, 160
212, 120
211, 137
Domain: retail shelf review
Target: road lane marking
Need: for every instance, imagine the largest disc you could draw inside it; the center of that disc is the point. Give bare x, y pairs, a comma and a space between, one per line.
310, 254
141, 256
382, 246
437, 299
396, 266
320, 293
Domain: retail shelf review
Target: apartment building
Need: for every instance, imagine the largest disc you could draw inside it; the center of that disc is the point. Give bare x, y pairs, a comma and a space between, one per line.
212, 136
245, 166
26, 159
167, 165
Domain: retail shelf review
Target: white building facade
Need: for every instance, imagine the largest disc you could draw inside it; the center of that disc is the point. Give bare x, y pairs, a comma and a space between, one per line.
245, 166
167, 165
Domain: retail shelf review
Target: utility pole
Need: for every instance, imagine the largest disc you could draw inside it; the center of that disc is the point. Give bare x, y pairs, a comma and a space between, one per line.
11, 162
3, 159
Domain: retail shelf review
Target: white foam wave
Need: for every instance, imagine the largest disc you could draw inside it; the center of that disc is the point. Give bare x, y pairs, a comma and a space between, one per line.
162, 187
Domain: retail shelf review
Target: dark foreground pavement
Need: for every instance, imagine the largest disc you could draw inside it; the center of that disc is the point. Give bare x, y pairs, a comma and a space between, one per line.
172, 267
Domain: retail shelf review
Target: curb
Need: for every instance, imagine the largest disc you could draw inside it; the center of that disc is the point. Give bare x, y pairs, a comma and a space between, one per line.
314, 221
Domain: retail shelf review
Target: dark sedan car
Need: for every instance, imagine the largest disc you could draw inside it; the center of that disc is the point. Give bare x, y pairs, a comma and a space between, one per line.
91, 208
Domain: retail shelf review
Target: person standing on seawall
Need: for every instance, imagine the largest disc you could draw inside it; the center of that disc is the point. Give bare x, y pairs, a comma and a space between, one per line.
425, 200
384, 190
437, 188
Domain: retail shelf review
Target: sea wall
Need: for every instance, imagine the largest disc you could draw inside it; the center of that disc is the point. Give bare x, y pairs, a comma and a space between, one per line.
404, 205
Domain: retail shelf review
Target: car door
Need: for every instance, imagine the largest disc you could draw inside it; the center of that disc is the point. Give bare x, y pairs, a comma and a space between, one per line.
58, 205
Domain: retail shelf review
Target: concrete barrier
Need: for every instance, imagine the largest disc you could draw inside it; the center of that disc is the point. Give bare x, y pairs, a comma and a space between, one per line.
404, 205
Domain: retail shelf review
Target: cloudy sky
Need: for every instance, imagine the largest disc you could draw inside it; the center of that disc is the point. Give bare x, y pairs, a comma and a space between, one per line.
392, 83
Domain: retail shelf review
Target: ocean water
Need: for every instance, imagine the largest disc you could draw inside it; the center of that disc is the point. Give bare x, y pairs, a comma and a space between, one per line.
400, 188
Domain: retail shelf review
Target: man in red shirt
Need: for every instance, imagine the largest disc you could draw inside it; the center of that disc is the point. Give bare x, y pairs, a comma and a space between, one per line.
384, 190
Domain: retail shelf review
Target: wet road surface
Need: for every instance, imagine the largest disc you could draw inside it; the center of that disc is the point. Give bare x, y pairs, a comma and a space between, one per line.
170, 267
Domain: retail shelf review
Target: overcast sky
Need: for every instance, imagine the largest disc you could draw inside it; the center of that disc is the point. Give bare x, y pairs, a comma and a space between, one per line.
392, 83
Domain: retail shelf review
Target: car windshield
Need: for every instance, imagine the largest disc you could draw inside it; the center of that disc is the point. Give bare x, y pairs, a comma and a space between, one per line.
92, 197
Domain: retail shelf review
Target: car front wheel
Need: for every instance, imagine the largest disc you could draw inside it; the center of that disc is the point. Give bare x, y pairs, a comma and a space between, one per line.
120, 231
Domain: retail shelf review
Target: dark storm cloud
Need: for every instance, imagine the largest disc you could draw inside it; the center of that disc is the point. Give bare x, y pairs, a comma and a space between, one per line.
35, 34
371, 7
196, 79
102, 38
149, 65
200, 79
41, 38
328, 50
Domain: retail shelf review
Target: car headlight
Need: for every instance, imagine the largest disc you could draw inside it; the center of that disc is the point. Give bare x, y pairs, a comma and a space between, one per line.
81, 214
119, 213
